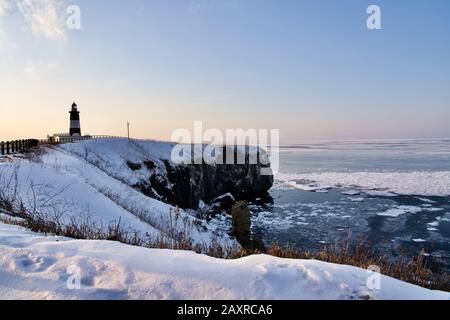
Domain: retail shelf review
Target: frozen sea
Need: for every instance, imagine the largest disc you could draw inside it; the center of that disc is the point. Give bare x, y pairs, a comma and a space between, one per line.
394, 194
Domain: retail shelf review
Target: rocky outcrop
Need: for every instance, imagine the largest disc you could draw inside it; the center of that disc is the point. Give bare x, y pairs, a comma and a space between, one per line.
187, 185
242, 223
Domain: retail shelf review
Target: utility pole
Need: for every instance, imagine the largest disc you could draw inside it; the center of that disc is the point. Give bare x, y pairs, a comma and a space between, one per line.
128, 130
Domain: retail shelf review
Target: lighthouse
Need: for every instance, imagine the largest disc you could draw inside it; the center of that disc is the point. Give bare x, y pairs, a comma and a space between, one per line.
75, 129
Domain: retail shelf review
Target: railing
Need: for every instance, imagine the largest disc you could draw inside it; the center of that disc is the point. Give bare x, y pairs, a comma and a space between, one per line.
11, 147
17, 146
65, 138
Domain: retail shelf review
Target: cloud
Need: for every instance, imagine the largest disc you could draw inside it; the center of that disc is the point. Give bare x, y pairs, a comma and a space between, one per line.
44, 18
37, 70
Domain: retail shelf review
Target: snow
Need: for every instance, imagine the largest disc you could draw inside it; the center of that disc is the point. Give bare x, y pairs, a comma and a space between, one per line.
358, 199
379, 193
426, 200
91, 180
65, 185
69, 194
351, 192
111, 155
421, 183
305, 186
399, 210
33, 266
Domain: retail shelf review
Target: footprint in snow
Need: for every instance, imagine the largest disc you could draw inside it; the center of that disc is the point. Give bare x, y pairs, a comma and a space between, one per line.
32, 263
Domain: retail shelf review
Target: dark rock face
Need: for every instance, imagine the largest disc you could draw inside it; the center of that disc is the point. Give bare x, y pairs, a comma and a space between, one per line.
193, 183
224, 202
186, 185
219, 204
134, 166
149, 164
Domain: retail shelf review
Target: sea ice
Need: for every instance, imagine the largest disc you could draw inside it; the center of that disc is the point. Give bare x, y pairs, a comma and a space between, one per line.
421, 183
359, 199
426, 200
351, 192
399, 210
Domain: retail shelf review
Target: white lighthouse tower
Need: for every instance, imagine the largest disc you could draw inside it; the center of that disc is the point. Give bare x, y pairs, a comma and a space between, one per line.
75, 128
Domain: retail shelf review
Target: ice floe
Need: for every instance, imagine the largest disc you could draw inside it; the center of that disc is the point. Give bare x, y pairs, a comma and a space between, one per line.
426, 200
434, 224
399, 210
351, 192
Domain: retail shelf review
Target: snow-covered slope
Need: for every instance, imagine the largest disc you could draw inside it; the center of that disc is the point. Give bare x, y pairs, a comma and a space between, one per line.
37, 267
67, 187
111, 155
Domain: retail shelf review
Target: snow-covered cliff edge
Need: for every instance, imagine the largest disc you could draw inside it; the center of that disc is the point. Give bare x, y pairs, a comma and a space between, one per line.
147, 166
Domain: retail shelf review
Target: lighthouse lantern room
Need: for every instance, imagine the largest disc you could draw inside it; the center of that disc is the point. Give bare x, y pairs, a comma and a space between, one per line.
75, 129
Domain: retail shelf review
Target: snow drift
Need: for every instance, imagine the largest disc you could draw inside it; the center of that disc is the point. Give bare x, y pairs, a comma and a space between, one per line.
37, 267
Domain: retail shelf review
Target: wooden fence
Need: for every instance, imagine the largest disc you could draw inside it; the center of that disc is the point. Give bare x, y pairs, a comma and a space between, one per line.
10, 147
17, 146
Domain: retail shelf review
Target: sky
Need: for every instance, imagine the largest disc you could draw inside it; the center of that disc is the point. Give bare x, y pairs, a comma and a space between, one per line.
309, 68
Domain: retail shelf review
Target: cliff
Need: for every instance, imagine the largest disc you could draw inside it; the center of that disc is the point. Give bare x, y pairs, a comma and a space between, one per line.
147, 166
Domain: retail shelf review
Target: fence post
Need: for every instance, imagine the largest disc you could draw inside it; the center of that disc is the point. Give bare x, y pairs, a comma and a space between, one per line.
7, 147
3, 148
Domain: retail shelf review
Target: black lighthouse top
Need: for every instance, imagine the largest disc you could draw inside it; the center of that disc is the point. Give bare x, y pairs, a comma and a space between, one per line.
75, 129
